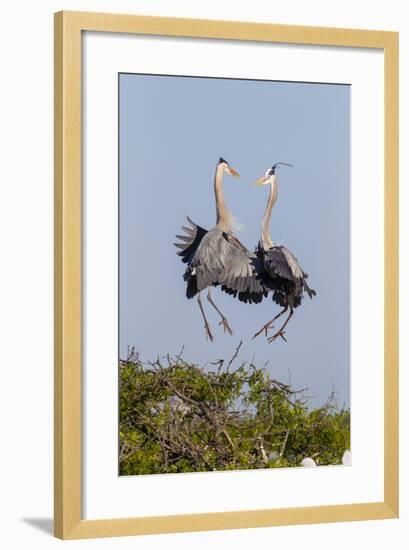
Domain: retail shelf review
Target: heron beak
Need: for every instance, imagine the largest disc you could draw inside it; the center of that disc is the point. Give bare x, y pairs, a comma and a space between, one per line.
233, 172
262, 181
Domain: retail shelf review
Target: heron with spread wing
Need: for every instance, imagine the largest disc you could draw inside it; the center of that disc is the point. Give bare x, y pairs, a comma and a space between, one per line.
217, 257
282, 273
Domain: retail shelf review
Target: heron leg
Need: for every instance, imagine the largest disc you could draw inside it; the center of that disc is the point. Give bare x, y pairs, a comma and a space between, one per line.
269, 325
281, 331
224, 321
209, 334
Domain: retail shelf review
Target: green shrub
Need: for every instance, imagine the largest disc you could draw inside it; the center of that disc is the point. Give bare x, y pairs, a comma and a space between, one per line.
178, 417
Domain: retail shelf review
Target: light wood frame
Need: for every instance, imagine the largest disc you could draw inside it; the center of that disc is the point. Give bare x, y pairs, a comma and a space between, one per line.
68, 523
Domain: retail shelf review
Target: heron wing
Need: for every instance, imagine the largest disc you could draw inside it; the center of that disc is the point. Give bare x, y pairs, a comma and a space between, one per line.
241, 270
215, 257
190, 241
281, 262
284, 269
257, 287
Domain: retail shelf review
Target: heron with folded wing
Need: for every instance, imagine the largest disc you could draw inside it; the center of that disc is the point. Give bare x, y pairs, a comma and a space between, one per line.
282, 273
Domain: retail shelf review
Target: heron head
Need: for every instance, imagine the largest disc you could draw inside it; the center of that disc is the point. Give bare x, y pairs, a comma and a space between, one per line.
227, 168
270, 175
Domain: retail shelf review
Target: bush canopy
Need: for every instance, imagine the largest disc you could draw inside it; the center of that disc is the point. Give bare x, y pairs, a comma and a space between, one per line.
178, 417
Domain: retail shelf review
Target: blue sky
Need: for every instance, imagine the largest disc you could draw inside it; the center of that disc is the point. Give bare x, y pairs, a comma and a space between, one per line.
172, 132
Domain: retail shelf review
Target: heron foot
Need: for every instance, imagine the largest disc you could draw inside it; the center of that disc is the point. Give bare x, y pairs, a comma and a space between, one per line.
226, 326
264, 329
209, 335
278, 334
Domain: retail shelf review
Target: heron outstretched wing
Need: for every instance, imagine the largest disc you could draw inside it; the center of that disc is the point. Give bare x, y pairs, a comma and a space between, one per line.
190, 241
222, 259
244, 276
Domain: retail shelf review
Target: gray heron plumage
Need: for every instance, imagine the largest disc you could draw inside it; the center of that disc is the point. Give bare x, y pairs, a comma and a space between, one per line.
282, 273
216, 257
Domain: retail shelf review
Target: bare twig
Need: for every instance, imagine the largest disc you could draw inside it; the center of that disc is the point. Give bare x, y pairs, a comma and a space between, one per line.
234, 356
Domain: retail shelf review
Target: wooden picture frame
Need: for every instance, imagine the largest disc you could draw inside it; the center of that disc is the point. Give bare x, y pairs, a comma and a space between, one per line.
68, 522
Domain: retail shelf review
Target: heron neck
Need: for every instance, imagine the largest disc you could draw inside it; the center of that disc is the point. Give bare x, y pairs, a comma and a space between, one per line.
224, 218
265, 224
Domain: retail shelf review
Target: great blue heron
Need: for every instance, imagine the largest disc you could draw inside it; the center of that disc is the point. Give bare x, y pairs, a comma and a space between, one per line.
283, 275
217, 257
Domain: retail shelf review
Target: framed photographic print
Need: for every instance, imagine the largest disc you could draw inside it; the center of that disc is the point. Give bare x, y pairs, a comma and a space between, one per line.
226, 233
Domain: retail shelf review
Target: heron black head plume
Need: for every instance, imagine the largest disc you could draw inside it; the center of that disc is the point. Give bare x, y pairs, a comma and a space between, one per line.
221, 160
272, 170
